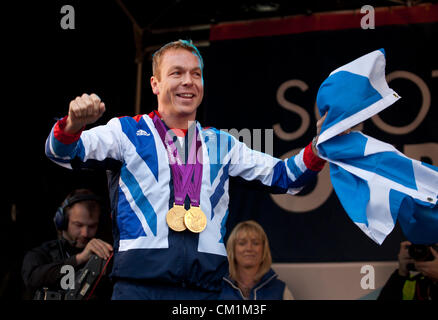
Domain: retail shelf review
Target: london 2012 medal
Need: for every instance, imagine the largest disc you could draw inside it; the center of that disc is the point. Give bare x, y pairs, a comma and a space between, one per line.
195, 220
175, 218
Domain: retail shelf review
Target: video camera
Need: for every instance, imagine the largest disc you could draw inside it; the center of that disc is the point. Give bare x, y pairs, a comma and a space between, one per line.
86, 281
88, 278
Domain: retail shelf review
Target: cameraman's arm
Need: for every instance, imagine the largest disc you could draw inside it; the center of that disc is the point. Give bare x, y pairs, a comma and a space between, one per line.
393, 289
404, 259
39, 271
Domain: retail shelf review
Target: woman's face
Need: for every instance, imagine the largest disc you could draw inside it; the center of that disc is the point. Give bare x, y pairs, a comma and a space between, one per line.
248, 250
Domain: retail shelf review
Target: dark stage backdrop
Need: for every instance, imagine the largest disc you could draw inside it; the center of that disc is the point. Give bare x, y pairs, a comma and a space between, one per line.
47, 67
265, 75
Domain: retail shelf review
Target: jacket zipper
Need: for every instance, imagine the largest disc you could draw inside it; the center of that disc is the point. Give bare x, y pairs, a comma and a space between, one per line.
235, 287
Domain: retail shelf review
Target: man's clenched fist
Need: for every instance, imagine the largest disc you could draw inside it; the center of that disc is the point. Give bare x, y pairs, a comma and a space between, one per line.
83, 110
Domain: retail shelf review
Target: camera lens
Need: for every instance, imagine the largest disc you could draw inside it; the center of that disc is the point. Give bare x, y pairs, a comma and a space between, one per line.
420, 252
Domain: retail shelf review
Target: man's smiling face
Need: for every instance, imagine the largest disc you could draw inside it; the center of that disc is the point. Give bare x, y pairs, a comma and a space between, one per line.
179, 85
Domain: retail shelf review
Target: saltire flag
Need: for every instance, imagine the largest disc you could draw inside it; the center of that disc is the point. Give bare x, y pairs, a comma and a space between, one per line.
375, 183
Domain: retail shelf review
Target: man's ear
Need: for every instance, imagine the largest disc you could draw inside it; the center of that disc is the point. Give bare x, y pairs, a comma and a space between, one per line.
154, 85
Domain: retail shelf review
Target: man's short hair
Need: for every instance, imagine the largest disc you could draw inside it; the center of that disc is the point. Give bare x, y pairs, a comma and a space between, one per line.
92, 204
179, 44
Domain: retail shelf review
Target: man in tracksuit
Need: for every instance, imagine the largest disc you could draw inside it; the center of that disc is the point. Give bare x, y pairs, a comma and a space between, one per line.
163, 248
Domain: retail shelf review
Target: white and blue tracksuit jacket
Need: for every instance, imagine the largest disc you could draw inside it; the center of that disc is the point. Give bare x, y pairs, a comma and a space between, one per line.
141, 193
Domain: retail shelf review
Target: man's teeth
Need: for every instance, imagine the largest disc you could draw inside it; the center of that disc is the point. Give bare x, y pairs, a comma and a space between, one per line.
186, 95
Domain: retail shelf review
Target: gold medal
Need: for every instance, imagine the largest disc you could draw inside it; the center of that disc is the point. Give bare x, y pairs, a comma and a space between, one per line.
175, 218
195, 220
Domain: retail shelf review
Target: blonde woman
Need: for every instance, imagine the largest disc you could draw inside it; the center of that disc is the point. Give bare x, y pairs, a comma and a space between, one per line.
251, 276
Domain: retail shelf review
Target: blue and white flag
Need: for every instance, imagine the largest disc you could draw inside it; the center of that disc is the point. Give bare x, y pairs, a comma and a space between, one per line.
375, 183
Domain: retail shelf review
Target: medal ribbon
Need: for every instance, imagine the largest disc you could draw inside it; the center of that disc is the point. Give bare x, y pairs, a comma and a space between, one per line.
182, 173
195, 187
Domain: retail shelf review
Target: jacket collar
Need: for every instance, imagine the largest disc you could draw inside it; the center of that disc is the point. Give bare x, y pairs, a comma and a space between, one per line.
267, 277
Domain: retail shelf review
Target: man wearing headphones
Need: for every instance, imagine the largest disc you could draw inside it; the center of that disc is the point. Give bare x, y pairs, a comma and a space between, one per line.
76, 222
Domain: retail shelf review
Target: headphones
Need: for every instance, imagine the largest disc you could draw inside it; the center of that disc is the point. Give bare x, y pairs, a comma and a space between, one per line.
60, 219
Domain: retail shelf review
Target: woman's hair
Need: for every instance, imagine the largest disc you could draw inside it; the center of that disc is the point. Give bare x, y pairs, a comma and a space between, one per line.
249, 226
179, 44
